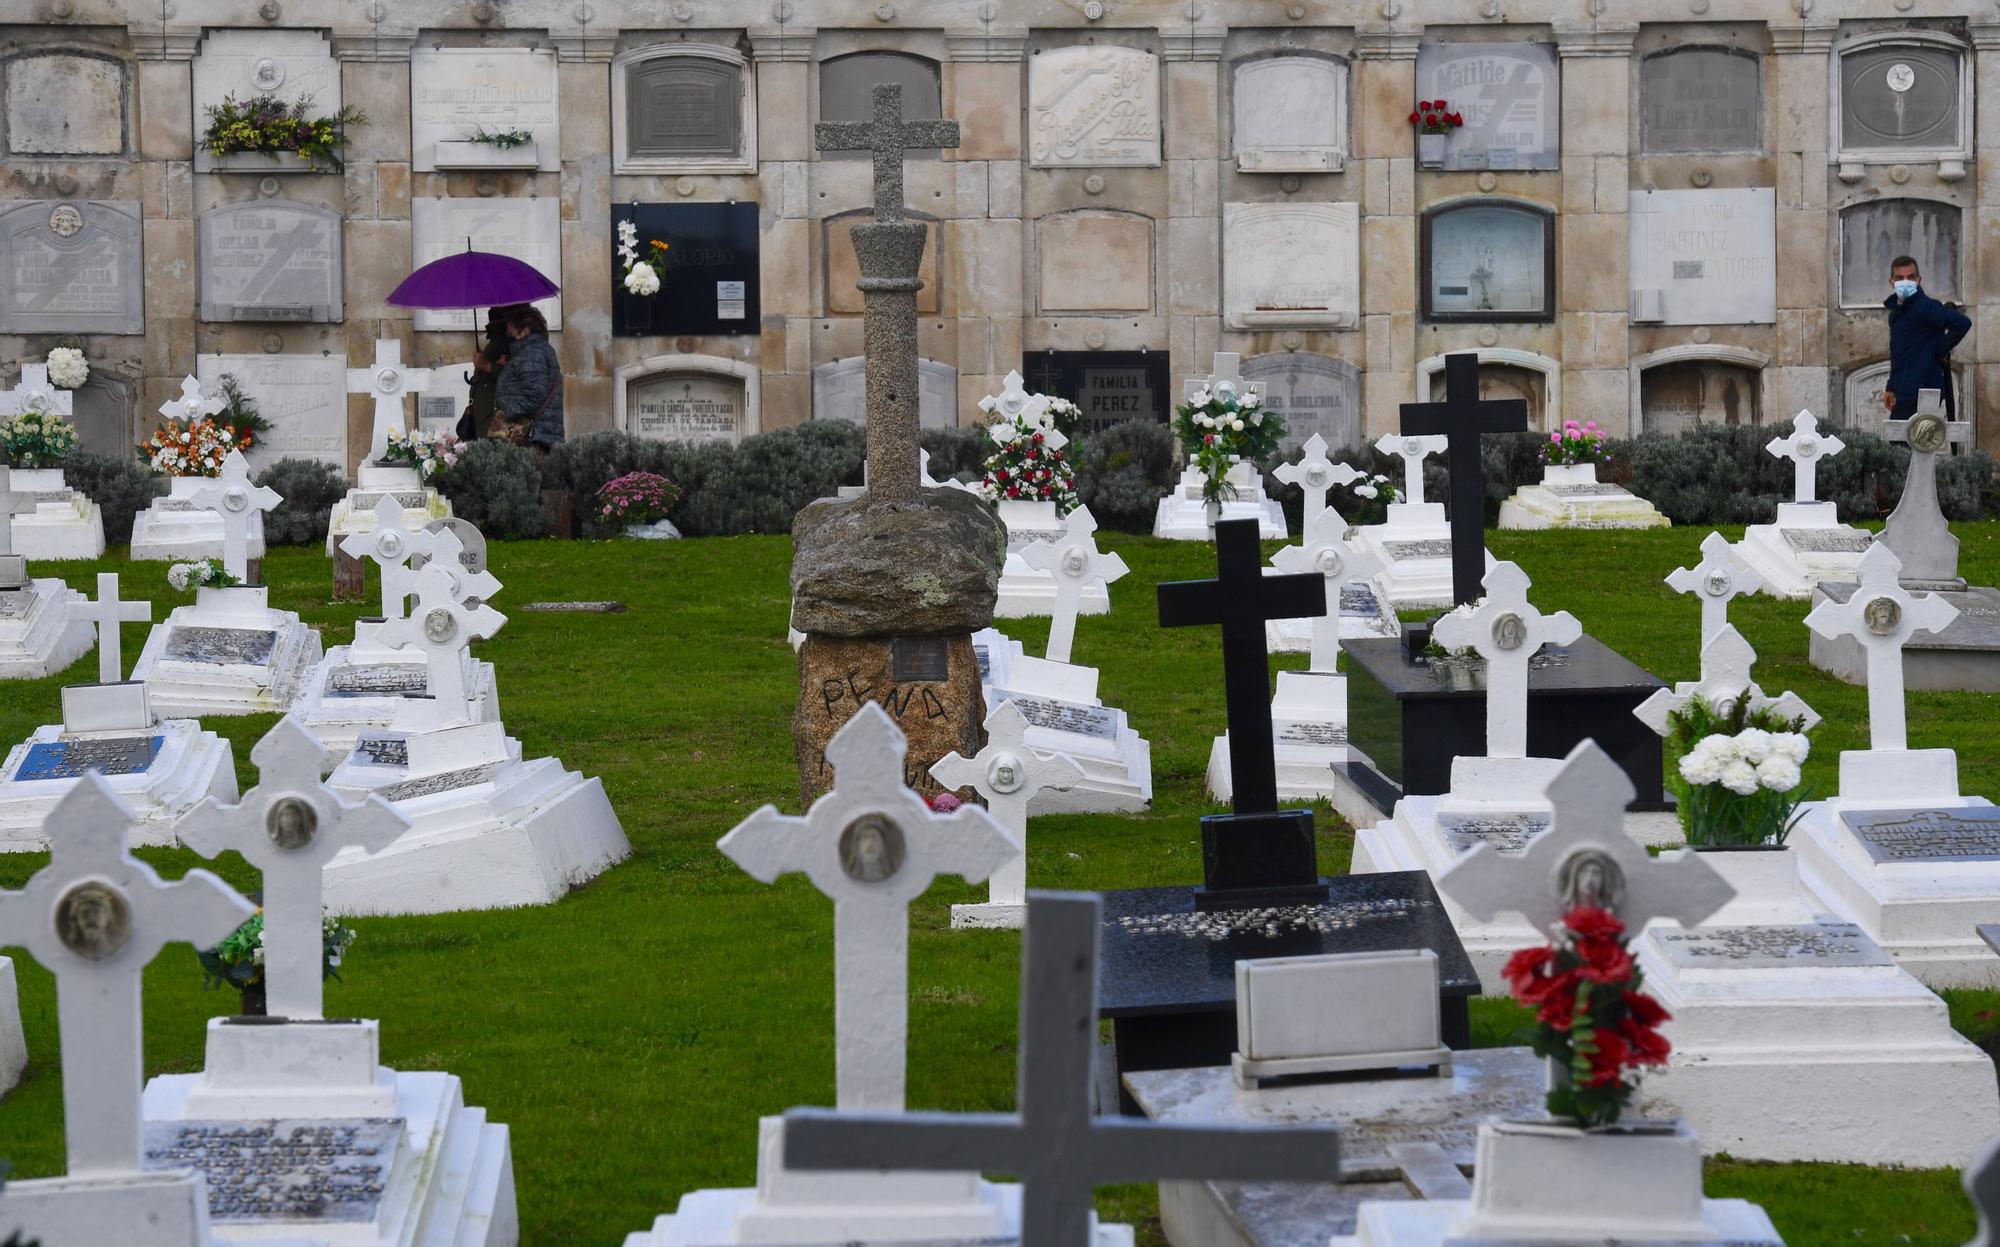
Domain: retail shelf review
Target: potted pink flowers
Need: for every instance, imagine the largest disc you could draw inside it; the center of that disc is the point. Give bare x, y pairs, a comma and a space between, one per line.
639, 501
1573, 452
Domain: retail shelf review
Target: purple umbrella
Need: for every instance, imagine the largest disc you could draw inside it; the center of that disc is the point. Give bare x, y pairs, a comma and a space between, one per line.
473, 279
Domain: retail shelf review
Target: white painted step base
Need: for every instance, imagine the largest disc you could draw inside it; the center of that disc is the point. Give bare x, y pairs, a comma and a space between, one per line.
1418, 1223
1789, 569
189, 764
130, 1210
1183, 516
990, 916
1415, 554
1309, 738
1025, 592
337, 718
1571, 496
174, 528
180, 685
356, 512
36, 637
13, 1044
64, 525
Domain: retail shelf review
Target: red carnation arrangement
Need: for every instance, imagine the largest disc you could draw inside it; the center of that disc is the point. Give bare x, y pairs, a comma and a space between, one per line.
1435, 117
1592, 1017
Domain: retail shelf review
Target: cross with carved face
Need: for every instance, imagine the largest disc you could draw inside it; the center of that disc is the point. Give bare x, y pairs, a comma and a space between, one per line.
1881, 617
1507, 631
1805, 447
1316, 475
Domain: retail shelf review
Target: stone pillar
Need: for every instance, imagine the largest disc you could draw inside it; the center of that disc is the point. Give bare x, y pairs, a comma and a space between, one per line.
1982, 347
1384, 160
889, 253
1795, 103
782, 61
375, 78
1191, 149
583, 89
165, 141
984, 251
1593, 247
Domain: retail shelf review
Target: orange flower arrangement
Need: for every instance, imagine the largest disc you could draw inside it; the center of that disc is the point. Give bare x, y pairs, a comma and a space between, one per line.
192, 447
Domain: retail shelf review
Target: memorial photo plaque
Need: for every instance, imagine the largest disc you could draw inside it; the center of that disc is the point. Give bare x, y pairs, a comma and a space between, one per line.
1314, 393
1488, 261
1902, 100
71, 266
710, 283
270, 260
1107, 386
1875, 232
1696, 99
1509, 94
70, 759
1891, 836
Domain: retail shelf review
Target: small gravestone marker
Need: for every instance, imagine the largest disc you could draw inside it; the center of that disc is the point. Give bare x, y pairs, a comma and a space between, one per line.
1326, 550
1916, 530
391, 544
1463, 418
1413, 450
1717, 580
1805, 447
389, 382
1078, 568
1881, 616
105, 614
1508, 632
1315, 475
1008, 775
236, 500
441, 627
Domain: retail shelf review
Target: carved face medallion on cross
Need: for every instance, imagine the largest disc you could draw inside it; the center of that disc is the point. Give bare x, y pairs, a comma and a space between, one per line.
1507, 631
1413, 451
1316, 476
191, 405
1078, 566
1717, 580
388, 381
1805, 446
1917, 530
1326, 550
1008, 775
35, 395
1026, 411
1881, 617
442, 626
236, 500
392, 546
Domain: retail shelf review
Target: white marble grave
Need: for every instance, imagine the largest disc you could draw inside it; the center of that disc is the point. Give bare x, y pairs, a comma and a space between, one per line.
389, 383
13, 1043
175, 527
1807, 543
1361, 608
1183, 515
1413, 542
1570, 496
37, 636
1026, 590
64, 524
1065, 715
1007, 775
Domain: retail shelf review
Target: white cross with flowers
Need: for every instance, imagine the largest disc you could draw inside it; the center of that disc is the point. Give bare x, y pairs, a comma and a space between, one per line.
236, 500
1725, 676
1881, 617
1016, 406
388, 381
191, 405
1805, 448
1315, 475
1413, 449
35, 394
1224, 383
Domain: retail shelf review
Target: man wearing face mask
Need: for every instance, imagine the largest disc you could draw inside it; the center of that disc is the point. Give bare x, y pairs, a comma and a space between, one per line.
1922, 332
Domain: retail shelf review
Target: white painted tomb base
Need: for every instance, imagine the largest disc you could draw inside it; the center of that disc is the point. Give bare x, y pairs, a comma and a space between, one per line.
1309, 736
356, 512
1414, 549
1808, 544
37, 637
162, 768
1183, 516
853, 1208
1571, 496
13, 1044
364, 685
450, 1179
1937, 876
488, 830
229, 653
64, 524
175, 528
1364, 612
1064, 715
130, 1210
1026, 590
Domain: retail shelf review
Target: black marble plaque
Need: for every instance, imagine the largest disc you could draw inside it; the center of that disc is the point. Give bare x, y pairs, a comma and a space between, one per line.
1107, 386
710, 285
382, 751
221, 646
1964, 835
69, 759
328, 1169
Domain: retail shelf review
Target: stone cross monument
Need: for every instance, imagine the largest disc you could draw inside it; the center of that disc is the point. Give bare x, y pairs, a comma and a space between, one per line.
1315, 475
1882, 616
1717, 580
1805, 448
1507, 631
238, 502
1916, 529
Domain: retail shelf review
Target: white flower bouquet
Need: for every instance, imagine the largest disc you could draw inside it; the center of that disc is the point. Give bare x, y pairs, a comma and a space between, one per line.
641, 264
1739, 785
68, 369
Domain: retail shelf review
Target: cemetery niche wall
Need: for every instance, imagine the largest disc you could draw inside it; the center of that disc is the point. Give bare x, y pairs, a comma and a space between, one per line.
71, 267
1291, 266
1510, 95
1900, 97
1316, 394
63, 101
1704, 257
529, 229
688, 398
683, 108
286, 65
1877, 230
1289, 113
1695, 99
846, 93
1093, 105
839, 389
708, 279
1107, 386
1488, 260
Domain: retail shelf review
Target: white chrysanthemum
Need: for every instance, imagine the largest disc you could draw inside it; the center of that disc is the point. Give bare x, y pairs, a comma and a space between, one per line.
642, 280
178, 574
1366, 491
1699, 768
1779, 774
1753, 745
1739, 777
67, 367
1790, 745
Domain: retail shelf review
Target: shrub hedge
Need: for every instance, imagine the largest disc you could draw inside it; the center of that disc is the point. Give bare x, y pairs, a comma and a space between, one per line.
120, 488
310, 488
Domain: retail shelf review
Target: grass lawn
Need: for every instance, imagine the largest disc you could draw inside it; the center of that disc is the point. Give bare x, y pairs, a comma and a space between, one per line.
632, 1034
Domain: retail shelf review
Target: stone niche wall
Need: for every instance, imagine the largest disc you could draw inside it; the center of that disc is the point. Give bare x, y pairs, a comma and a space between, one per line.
1122, 193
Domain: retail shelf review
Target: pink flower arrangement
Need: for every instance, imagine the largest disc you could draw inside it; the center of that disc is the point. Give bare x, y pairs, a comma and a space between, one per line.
1576, 443
637, 498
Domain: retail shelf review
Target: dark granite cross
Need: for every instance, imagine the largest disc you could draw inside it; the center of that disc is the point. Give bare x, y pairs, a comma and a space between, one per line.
1258, 847
887, 136
1463, 417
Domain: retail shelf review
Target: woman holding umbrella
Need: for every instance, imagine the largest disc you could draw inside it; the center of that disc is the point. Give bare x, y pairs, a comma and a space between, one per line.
528, 402
474, 279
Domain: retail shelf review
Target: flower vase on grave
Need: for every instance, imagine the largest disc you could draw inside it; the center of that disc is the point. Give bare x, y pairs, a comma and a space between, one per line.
1430, 150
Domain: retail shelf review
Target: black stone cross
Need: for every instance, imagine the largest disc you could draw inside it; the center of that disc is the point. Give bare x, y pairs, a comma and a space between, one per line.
887, 136
1463, 417
1260, 854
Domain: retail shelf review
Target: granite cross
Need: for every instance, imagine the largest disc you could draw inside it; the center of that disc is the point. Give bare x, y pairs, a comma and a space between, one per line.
447, 554
1805, 448
1507, 631
289, 827
1717, 580
1981, 1180
1325, 550
1916, 530
1052, 1141
1225, 382
93, 917
236, 500
1725, 676
1413, 451
1315, 475
105, 614
35, 394
1008, 775
886, 136
1881, 617
391, 545
1016, 406
1585, 858
442, 626
871, 845
191, 405
388, 381
1073, 559
11, 505
1464, 418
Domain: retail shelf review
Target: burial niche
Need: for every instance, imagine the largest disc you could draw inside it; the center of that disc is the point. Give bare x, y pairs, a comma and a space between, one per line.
682, 108
1701, 99
1680, 394
1488, 260
684, 399
847, 92
1877, 231
1290, 114
1902, 96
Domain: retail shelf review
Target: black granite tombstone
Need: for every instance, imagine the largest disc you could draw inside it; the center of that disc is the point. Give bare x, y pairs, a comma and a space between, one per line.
1107, 386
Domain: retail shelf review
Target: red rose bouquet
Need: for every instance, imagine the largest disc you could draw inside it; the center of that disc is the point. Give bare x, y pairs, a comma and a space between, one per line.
1433, 117
1592, 1018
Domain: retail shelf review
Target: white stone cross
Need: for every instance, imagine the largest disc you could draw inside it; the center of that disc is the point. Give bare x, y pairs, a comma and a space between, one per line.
1982, 1183
391, 545
191, 405
1009, 775
1017, 406
1315, 474
1881, 617
289, 827
93, 917
1326, 550
1414, 449
389, 382
235, 499
34, 393
1225, 380
11, 505
1725, 676
1716, 580
1585, 858
470, 587
1052, 1140
1077, 565
1507, 631
1805, 448
105, 614
872, 846
442, 626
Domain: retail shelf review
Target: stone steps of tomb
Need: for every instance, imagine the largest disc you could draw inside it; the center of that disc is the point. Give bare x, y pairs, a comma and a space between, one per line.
42, 641
192, 764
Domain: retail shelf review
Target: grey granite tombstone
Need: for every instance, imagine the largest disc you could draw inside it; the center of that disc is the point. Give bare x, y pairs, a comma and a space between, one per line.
1314, 393
840, 392
1701, 99
270, 260
683, 107
1876, 232
71, 266
847, 92
102, 410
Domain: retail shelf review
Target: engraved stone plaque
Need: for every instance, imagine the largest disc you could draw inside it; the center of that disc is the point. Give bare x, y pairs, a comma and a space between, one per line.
1290, 114
528, 229
244, 64
681, 108
221, 646
1429, 549
327, 1169
69, 759
687, 407
1360, 601
1812, 945
1711, 254
443, 781
1509, 95
1507, 833
1927, 835
1597, 490
1877, 231
17, 603
1700, 99
1093, 105
1487, 261
72, 267
383, 751
377, 680
840, 392
270, 260
1900, 98
1305, 732
1057, 715
1314, 393
1827, 540
1291, 265
303, 396
456, 92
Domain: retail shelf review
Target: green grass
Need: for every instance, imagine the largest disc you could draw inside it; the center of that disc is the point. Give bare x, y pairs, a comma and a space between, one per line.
632, 1034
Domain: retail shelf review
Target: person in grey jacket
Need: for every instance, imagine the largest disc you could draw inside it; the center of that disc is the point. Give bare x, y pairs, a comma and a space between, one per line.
532, 374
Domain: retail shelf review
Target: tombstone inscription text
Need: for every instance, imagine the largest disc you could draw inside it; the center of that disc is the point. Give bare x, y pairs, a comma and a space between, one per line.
1926, 835
325, 1169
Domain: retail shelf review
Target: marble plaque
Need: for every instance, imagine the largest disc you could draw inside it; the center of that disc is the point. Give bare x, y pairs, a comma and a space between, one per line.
250, 647
1487, 261
64, 103
1507, 833
103, 410
840, 392
1291, 265
1057, 715
1404, 550
1314, 393
1290, 114
377, 680
244, 64
1927, 835
1812, 945
682, 109
1510, 96
472, 558
687, 407
455, 92
325, 1169
1827, 540
1118, 273
1701, 99
382, 751
1876, 232
303, 396
270, 260
1093, 105
1107, 386
1901, 98
1711, 254
1318, 735
70, 759
527, 229
1680, 395
71, 266
984, 657
443, 781
17, 603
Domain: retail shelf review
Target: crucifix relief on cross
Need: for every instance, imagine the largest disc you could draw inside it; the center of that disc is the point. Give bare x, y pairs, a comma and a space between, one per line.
35, 394
1463, 418
388, 381
1881, 617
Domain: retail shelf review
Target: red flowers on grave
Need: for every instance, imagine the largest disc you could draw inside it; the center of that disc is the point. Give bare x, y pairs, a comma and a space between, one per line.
1435, 117
1593, 1019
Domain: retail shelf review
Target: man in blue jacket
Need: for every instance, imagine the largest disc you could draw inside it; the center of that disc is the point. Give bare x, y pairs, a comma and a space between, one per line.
1922, 332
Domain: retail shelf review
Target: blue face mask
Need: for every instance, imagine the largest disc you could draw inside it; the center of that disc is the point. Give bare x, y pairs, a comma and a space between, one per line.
1905, 289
